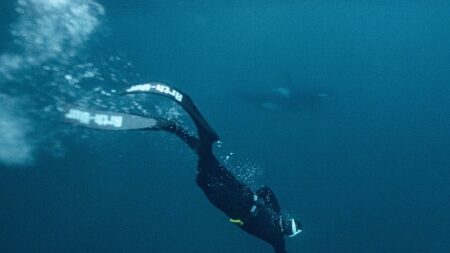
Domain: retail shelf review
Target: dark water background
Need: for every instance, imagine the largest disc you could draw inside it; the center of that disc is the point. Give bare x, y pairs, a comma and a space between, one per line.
367, 171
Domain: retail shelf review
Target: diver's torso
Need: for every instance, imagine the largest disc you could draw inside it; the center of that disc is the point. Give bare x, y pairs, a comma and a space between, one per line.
224, 190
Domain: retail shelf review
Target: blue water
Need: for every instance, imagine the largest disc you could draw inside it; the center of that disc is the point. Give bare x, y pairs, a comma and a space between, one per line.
366, 170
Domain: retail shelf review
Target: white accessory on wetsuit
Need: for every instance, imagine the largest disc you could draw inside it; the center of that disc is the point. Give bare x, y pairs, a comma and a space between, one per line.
295, 230
255, 199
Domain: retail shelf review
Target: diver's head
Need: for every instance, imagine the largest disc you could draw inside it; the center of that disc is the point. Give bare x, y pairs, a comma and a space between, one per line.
291, 227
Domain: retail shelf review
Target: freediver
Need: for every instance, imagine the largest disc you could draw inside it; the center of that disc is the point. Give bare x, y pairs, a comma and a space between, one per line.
256, 212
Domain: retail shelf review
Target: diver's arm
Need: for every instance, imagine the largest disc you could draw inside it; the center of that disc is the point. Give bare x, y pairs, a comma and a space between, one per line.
280, 248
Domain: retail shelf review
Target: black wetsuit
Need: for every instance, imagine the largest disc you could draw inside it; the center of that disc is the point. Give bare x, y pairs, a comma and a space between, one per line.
233, 197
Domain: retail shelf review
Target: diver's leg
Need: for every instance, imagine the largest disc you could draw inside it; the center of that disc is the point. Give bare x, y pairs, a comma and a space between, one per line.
279, 246
183, 134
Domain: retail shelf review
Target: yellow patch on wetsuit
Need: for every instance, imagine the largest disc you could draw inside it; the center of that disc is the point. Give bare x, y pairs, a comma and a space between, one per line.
237, 221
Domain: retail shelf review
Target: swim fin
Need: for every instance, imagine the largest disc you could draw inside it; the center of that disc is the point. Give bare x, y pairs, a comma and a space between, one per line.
181, 98
111, 120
